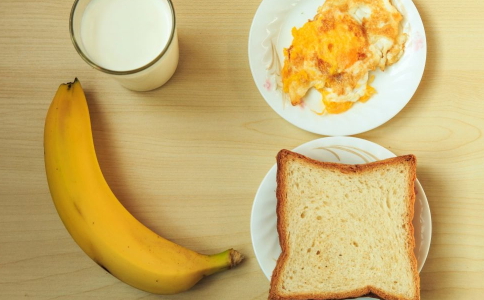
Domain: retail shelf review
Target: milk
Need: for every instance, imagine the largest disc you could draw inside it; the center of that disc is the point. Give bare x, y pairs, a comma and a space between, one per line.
133, 40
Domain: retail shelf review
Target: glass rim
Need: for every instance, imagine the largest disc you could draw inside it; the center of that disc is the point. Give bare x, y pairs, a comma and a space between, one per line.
126, 72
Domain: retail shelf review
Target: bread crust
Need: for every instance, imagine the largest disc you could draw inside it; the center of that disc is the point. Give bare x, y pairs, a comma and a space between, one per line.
282, 158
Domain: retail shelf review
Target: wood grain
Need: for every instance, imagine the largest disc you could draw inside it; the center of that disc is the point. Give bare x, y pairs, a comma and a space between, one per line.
188, 158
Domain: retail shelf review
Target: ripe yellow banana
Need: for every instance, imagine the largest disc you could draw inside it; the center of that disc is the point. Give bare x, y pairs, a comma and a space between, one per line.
98, 222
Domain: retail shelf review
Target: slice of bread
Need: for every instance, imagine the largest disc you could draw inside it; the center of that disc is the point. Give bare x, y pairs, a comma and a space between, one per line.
345, 230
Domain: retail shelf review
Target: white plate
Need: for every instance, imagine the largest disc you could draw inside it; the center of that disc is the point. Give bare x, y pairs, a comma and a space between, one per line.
349, 150
271, 32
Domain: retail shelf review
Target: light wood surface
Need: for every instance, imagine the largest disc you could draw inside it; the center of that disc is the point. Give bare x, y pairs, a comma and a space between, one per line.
187, 159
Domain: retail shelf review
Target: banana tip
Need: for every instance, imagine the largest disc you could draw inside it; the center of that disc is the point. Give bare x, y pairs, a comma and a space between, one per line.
70, 84
235, 258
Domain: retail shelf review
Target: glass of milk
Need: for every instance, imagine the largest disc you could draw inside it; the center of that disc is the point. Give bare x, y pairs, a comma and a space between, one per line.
135, 41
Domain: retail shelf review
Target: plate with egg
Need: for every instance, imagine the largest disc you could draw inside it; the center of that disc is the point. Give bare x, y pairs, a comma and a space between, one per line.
337, 67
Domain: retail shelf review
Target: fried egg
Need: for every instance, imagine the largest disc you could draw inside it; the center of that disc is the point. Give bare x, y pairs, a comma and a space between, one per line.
335, 51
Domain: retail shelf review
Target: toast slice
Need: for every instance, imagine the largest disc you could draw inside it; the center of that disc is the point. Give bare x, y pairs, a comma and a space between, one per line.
345, 230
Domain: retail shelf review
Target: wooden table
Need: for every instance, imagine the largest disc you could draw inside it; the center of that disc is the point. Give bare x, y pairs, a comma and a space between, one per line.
187, 159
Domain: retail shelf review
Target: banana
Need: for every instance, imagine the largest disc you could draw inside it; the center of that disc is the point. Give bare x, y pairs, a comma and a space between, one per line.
98, 222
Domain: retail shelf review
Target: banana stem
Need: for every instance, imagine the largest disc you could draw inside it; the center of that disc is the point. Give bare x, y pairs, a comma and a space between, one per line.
235, 258
226, 260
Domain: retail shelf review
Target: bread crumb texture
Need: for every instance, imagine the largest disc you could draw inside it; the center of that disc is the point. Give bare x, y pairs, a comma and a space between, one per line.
347, 228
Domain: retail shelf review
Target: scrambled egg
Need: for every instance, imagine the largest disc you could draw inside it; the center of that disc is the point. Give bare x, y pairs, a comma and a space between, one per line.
335, 52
